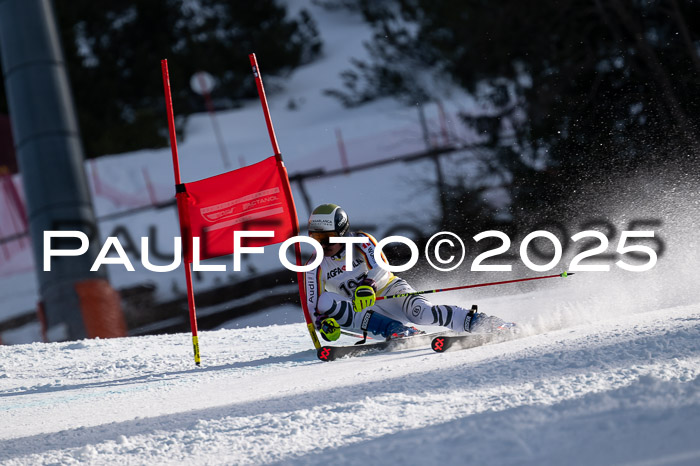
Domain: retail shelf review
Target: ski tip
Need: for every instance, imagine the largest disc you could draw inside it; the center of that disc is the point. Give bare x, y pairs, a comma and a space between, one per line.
566, 274
324, 353
438, 344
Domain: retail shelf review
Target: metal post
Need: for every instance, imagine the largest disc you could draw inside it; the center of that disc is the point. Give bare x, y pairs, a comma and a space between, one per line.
50, 157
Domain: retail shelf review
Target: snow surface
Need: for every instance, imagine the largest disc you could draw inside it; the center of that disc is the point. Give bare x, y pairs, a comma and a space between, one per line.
620, 391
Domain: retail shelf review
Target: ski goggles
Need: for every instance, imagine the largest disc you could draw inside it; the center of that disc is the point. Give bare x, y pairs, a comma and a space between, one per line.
323, 237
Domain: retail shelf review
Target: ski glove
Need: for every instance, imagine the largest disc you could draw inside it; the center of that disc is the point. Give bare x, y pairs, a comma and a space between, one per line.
318, 318
330, 329
364, 298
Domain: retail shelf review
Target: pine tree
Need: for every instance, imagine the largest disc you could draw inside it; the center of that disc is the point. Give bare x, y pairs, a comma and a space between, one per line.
575, 89
113, 51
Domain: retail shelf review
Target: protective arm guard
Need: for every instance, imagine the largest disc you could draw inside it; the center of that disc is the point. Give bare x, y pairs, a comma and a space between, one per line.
314, 288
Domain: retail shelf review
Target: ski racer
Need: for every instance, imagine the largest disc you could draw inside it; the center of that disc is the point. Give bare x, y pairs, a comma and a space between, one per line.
340, 298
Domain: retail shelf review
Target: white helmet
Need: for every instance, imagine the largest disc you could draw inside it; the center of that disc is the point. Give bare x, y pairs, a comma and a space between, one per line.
329, 218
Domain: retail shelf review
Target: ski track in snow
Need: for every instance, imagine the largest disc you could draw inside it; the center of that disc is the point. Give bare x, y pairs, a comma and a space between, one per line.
620, 391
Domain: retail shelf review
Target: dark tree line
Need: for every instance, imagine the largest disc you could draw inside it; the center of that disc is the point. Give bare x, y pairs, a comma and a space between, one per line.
113, 51
571, 91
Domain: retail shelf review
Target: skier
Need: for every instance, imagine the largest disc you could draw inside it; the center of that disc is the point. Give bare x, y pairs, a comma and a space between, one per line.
341, 298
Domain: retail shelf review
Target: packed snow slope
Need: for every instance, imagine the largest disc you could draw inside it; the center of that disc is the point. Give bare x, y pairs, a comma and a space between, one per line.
621, 390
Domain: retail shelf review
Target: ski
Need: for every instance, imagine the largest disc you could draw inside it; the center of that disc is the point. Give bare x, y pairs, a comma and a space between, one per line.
442, 343
331, 353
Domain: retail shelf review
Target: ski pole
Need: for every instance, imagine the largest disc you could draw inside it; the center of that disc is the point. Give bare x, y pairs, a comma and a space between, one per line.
352, 334
440, 290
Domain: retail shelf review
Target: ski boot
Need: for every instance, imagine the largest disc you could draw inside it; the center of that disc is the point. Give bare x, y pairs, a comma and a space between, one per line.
402, 331
481, 323
387, 327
